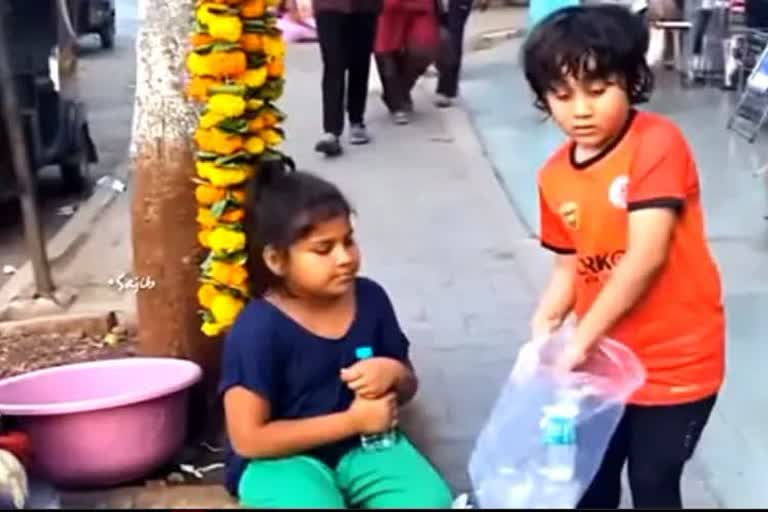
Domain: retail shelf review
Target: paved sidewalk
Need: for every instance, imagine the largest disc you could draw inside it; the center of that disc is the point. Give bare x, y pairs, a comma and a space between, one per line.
435, 229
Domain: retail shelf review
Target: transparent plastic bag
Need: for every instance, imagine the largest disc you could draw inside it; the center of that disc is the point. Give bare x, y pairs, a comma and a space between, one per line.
510, 464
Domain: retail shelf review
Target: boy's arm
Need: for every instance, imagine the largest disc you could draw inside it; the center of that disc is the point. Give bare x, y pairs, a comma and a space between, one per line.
558, 297
560, 294
650, 233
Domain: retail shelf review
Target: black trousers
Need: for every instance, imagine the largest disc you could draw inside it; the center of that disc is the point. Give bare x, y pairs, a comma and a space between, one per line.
657, 441
346, 44
449, 64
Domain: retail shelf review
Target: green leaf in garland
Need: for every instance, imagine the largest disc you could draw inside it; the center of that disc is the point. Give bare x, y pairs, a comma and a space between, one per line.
233, 160
206, 156
205, 266
219, 207
234, 125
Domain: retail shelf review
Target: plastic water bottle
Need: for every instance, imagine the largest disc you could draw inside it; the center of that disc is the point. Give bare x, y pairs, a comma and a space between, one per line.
559, 438
384, 440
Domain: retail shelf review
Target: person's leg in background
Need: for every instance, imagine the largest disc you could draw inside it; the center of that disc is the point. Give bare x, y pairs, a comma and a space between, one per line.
422, 45
361, 31
604, 492
390, 40
662, 440
330, 33
449, 67
398, 477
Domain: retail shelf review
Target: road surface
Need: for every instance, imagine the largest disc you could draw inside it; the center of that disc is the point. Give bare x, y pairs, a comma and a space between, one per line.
106, 79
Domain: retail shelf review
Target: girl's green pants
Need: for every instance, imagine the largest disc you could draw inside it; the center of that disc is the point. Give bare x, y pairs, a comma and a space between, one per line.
398, 477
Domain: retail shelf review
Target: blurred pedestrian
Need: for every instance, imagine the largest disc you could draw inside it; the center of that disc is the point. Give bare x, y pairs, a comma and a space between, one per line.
407, 42
346, 31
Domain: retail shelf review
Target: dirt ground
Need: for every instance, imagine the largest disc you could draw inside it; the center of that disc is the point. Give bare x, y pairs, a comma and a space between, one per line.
24, 353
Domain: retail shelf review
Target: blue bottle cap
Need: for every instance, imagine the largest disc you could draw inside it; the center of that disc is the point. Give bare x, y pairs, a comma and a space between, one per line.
364, 352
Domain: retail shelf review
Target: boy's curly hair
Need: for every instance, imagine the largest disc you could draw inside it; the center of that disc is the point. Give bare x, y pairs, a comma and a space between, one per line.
595, 42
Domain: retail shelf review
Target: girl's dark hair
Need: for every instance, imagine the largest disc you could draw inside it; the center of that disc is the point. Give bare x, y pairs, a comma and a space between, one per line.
283, 205
588, 42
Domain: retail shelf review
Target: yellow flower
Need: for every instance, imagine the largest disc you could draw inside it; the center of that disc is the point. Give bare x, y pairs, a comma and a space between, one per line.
228, 105
212, 328
205, 218
202, 238
255, 145
210, 119
223, 176
225, 240
255, 77
273, 3
225, 308
254, 104
228, 274
271, 137
205, 295
225, 28
218, 141
274, 46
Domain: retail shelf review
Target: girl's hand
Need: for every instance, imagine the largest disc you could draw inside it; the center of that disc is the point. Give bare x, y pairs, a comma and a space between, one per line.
373, 416
372, 378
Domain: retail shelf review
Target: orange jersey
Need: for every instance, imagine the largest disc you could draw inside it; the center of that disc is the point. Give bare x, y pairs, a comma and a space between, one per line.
678, 328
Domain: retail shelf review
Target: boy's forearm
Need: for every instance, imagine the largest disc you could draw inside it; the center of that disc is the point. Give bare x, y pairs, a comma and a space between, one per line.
624, 289
559, 295
289, 437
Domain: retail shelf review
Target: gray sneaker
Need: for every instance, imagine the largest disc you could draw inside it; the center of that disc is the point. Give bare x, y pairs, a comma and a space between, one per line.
401, 117
443, 101
358, 134
329, 144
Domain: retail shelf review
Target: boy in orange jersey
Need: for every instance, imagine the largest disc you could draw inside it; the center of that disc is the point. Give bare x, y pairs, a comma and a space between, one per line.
620, 206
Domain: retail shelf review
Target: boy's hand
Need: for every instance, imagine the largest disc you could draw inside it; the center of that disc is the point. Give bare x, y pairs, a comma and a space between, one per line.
373, 416
372, 378
544, 325
573, 356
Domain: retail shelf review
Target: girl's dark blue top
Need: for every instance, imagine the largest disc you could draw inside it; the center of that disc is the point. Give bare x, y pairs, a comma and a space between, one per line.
298, 372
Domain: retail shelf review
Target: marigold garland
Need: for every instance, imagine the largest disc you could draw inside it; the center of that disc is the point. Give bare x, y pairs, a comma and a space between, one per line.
236, 71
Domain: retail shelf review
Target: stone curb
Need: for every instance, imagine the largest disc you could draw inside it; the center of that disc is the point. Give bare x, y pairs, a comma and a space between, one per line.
69, 236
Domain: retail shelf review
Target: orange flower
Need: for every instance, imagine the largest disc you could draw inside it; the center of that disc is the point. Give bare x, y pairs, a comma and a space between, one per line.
217, 141
251, 42
253, 8
208, 194
198, 87
256, 124
234, 215
217, 64
238, 195
228, 274
276, 67
205, 218
200, 39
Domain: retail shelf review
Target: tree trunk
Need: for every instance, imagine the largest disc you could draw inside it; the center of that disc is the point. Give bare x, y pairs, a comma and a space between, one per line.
164, 229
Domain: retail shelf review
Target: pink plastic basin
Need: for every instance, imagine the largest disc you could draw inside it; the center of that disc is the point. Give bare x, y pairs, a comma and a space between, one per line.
105, 422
